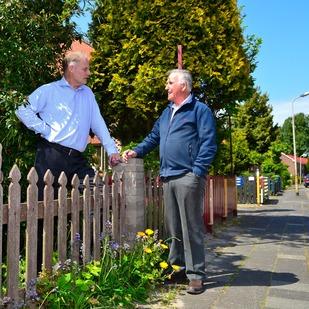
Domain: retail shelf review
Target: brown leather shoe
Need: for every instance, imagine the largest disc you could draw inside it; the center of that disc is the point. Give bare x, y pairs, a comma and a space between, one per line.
195, 287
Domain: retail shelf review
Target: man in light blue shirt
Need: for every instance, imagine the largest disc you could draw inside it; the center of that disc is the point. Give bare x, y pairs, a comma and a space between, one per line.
63, 113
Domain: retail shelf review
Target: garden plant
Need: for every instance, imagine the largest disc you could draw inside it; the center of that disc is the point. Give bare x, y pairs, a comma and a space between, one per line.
125, 276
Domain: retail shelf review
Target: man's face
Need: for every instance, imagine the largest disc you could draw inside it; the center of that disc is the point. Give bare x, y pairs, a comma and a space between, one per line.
175, 88
80, 73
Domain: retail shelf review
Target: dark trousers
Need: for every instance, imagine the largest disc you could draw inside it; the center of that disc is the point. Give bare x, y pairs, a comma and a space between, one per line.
58, 158
184, 201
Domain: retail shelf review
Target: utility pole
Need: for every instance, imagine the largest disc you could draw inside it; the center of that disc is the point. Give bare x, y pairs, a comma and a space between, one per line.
179, 47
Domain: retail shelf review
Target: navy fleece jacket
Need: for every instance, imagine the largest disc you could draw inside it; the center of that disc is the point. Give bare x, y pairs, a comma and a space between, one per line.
187, 143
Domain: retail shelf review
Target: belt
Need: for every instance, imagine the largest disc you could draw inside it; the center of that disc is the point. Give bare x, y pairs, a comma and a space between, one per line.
65, 150
168, 178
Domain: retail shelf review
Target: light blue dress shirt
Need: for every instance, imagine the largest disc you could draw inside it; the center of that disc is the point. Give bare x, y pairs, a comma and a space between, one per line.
64, 115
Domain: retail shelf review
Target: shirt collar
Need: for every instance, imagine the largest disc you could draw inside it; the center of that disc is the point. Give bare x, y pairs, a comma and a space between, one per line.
64, 83
185, 101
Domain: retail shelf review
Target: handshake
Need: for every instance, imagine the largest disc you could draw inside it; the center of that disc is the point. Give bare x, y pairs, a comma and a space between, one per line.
128, 154
115, 158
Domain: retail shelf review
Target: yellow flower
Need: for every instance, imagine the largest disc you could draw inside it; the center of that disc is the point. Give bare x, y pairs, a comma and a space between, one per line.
141, 234
176, 267
149, 232
163, 265
164, 246
148, 250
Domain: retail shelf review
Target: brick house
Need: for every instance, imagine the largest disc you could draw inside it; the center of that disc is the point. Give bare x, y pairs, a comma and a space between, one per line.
82, 46
289, 161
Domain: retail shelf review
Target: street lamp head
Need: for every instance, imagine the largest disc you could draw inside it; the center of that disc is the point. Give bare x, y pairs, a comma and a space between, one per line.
304, 94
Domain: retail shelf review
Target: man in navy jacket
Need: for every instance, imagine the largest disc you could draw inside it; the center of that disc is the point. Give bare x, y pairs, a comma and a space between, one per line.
186, 134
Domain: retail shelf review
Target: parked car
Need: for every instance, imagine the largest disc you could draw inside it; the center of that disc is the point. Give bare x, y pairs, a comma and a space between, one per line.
306, 181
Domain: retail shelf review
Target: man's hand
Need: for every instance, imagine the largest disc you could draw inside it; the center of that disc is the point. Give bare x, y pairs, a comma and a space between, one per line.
114, 159
128, 154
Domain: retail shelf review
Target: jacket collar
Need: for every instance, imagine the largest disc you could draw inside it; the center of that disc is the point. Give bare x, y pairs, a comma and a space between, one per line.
190, 99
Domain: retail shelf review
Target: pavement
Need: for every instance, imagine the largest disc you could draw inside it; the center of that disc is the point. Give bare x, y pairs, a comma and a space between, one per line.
259, 260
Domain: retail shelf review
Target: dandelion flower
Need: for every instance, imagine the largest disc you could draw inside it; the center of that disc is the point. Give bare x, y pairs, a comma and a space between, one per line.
148, 250
164, 246
164, 265
176, 267
149, 232
141, 234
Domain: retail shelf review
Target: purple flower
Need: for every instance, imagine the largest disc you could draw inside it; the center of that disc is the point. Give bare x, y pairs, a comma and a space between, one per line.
32, 294
77, 237
114, 245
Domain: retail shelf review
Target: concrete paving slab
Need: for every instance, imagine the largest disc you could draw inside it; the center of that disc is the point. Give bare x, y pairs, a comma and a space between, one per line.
262, 263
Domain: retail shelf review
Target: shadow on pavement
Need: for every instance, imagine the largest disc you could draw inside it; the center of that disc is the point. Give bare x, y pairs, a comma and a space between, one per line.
247, 277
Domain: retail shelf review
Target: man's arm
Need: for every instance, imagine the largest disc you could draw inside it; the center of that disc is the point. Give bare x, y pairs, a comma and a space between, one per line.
29, 115
99, 127
208, 146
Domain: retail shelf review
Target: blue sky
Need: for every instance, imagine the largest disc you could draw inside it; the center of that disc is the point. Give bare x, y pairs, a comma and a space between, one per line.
283, 60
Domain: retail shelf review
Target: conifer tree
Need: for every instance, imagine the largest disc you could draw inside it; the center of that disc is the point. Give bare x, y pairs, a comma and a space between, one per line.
136, 43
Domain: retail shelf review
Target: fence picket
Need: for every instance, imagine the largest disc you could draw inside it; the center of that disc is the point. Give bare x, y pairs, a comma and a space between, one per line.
96, 217
75, 230
62, 218
86, 221
32, 226
105, 202
48, 221
13, 241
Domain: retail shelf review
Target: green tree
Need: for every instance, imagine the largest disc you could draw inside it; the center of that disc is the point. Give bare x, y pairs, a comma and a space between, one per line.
135, 45
240, 150
301, 133
272, 164
34, 36
255, 121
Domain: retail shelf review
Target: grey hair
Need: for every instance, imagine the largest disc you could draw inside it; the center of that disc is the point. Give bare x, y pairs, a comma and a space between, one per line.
72, 57
184, 76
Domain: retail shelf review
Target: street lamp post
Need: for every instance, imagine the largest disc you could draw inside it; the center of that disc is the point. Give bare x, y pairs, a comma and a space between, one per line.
294, 141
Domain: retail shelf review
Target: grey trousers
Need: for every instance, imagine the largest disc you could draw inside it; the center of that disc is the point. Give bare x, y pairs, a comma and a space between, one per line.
184, 203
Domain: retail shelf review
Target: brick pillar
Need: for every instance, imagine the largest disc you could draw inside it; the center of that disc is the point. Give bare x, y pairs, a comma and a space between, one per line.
134, 196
